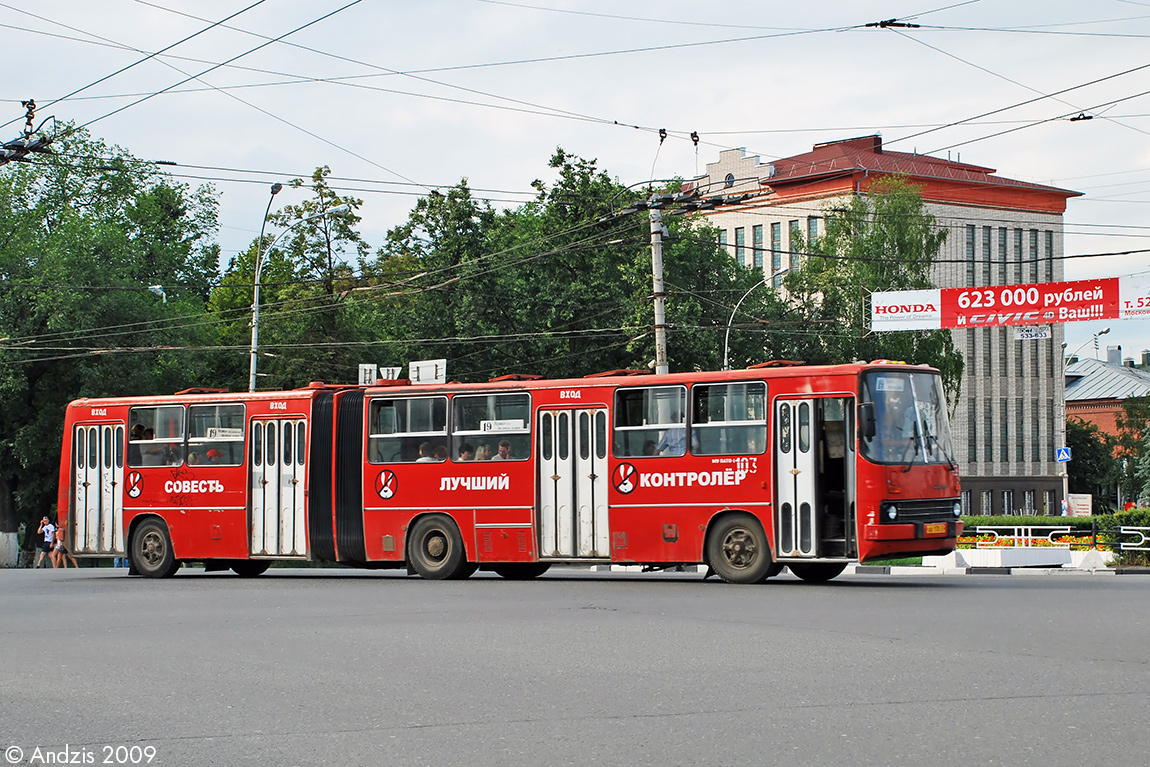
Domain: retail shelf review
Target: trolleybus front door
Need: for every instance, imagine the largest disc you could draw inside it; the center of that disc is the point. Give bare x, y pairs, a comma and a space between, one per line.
278, 523
571, 510
98, 500
814, 478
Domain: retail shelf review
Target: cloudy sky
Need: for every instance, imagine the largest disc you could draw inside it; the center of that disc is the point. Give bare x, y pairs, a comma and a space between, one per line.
401, 97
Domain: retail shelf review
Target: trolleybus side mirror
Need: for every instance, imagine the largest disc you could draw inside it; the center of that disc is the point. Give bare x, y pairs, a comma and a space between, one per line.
866, 420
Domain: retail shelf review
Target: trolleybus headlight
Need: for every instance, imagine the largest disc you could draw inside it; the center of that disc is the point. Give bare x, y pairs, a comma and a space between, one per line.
891, 511
957, 509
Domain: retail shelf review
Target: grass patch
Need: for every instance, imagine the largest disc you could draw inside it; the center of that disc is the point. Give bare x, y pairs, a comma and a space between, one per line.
900, 562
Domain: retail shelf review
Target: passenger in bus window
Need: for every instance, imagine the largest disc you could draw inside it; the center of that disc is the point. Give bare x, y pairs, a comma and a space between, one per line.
193, 458
674, 441
466, 452
439, 454
151, 454
650, 447
213, 456
483, 453
504, 453
135, 435
425, 455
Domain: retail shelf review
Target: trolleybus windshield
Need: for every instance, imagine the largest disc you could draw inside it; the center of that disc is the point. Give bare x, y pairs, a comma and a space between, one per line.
904, 418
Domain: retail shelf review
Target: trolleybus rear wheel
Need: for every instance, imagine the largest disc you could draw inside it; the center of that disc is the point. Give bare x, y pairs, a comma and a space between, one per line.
436, 549
817, 572
250, 568
151, 552
521, 571
737, 550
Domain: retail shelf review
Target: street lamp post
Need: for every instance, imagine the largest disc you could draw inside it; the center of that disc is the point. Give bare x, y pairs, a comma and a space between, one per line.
260, 259
727, 337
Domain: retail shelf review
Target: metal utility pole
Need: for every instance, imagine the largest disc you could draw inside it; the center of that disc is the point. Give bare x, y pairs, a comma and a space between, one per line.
658, 292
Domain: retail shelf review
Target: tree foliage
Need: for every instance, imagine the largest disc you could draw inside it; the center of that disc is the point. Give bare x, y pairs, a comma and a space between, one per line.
84, 233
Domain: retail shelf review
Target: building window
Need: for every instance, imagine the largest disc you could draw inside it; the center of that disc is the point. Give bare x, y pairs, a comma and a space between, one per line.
1002, 367
1050, 357
986, 233
1049, 429
1034, 255
1035, 363
972, 429
795, 235
1018, 255
988, 432
987, 353
1048, 502
741, 246
723, 240
1028, 502
1049, 256
986, 503
776, 246
971, 367
965, 502
812, 228
970, 254
757, 244
1018, 362
1008, 502
1020, 409
1035, 435
1002, 279
1004, 433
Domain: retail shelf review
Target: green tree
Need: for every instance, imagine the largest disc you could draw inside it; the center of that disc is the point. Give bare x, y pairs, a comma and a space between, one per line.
883, 240
84, 234
1092, 461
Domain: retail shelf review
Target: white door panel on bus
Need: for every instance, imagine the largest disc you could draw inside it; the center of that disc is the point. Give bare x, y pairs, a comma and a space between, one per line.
277, 488
572, 509
795, 477
98, 510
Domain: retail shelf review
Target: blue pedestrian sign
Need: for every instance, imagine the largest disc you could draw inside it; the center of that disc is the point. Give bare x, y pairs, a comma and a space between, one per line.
1062, 454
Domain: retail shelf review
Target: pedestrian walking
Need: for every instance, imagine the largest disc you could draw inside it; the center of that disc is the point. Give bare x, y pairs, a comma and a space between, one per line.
48, 530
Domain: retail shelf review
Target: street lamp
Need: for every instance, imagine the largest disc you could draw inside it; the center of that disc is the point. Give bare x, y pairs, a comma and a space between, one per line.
727, 337
1093, 339
261, 257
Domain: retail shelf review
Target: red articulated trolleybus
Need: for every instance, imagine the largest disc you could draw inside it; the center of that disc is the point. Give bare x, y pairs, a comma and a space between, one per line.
746, 471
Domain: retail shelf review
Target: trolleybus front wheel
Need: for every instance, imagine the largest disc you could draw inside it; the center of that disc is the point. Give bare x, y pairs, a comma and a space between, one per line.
151, 551
436, 551
521, 571
817, 572
737, 550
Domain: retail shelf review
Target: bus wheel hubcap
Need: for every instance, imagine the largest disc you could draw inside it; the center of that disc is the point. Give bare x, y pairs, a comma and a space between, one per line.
739, 548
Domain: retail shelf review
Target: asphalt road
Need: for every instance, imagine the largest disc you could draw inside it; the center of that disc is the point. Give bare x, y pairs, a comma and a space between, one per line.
307, 667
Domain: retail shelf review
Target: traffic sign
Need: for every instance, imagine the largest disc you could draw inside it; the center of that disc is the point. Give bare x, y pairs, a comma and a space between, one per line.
1062, 454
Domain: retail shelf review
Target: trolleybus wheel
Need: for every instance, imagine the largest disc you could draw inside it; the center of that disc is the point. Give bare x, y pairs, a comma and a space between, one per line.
151, 551
250, 568
817, 572
521, 571
436, 549
737, 550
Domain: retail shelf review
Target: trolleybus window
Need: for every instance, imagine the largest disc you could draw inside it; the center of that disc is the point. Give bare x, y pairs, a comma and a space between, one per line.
407, 430
157, 436
729, 419
905, 418
651, 421
495, 427
216, 434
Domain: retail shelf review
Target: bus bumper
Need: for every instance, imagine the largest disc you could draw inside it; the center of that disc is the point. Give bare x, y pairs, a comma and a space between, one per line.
913, 531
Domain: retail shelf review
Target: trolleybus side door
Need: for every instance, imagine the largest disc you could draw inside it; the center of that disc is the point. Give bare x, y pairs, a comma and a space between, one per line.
571, 509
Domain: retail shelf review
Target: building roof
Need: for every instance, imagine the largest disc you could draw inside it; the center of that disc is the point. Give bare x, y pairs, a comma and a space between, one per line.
866, 154
852, 165
1090, 379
